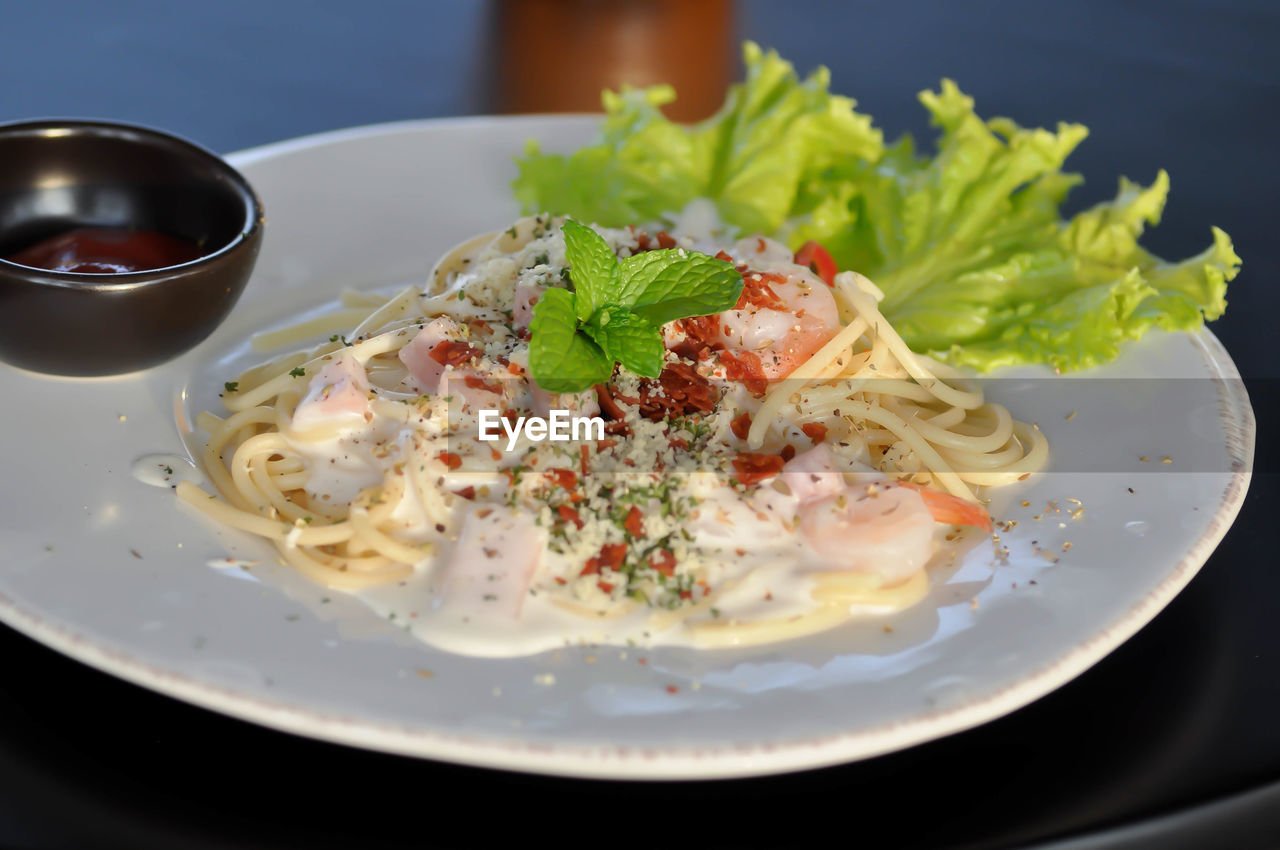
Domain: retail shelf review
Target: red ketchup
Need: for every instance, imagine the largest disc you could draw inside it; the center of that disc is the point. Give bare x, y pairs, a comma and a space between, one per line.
101, 250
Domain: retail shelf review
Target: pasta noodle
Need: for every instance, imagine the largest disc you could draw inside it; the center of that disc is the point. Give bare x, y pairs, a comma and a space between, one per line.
819, 475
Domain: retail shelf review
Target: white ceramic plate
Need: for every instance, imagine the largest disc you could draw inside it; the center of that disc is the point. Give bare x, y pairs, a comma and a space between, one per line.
113, 573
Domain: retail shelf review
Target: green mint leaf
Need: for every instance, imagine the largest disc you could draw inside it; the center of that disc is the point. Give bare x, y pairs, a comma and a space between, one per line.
662, 286
593, 267
630, 340
562, 360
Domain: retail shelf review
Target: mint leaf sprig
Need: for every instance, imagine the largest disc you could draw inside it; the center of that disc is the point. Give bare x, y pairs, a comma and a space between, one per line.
616, 310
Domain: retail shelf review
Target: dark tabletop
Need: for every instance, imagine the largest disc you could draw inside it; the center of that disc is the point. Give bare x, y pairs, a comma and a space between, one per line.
1173, 740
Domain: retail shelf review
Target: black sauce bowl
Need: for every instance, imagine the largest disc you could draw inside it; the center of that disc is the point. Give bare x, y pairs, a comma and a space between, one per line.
58, 175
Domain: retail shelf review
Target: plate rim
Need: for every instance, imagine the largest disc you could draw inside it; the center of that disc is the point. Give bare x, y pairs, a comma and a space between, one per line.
684, 762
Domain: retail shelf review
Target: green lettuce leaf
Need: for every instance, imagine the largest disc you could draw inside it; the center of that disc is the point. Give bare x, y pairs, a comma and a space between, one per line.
774, 134
968, 245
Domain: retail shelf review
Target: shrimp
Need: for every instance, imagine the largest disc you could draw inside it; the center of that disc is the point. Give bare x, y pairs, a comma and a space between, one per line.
887, 532
785, 314
811, 476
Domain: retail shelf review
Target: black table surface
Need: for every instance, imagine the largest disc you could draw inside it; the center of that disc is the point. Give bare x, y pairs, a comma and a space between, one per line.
1171, 741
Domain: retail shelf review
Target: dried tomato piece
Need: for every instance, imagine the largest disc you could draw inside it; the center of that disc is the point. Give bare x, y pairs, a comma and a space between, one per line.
634, 523
452, 352
753, 467
701, 335
609, 407
756, 292
611, 556
664, 561
815, 431
565, 478
475, 382
745, 368
569, 514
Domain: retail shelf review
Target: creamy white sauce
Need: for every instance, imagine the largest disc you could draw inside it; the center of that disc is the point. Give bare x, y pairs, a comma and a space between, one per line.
462, 600
488, 585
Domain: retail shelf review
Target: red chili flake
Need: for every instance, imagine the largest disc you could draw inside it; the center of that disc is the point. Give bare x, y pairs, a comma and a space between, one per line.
664, 240
606, 443
672, 689
815, 431
685, 594
788, 452
560, 580
515, 368
751, 467
745, 368
495, 454
664, 561
478, 383
584, 454
565, 478
741, 425
760, 246
450, 459
607, 587
679, 443
466, 493
634, 523
642, 241
568, 514
452, 352
480, 327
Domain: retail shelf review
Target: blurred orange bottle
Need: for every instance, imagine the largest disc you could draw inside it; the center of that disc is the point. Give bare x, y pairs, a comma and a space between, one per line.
557, 55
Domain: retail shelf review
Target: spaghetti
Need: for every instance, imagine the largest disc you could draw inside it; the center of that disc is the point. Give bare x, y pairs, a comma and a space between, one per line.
794, 465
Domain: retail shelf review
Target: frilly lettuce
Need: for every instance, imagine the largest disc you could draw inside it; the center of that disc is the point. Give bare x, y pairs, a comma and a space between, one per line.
774, 135
975, 261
